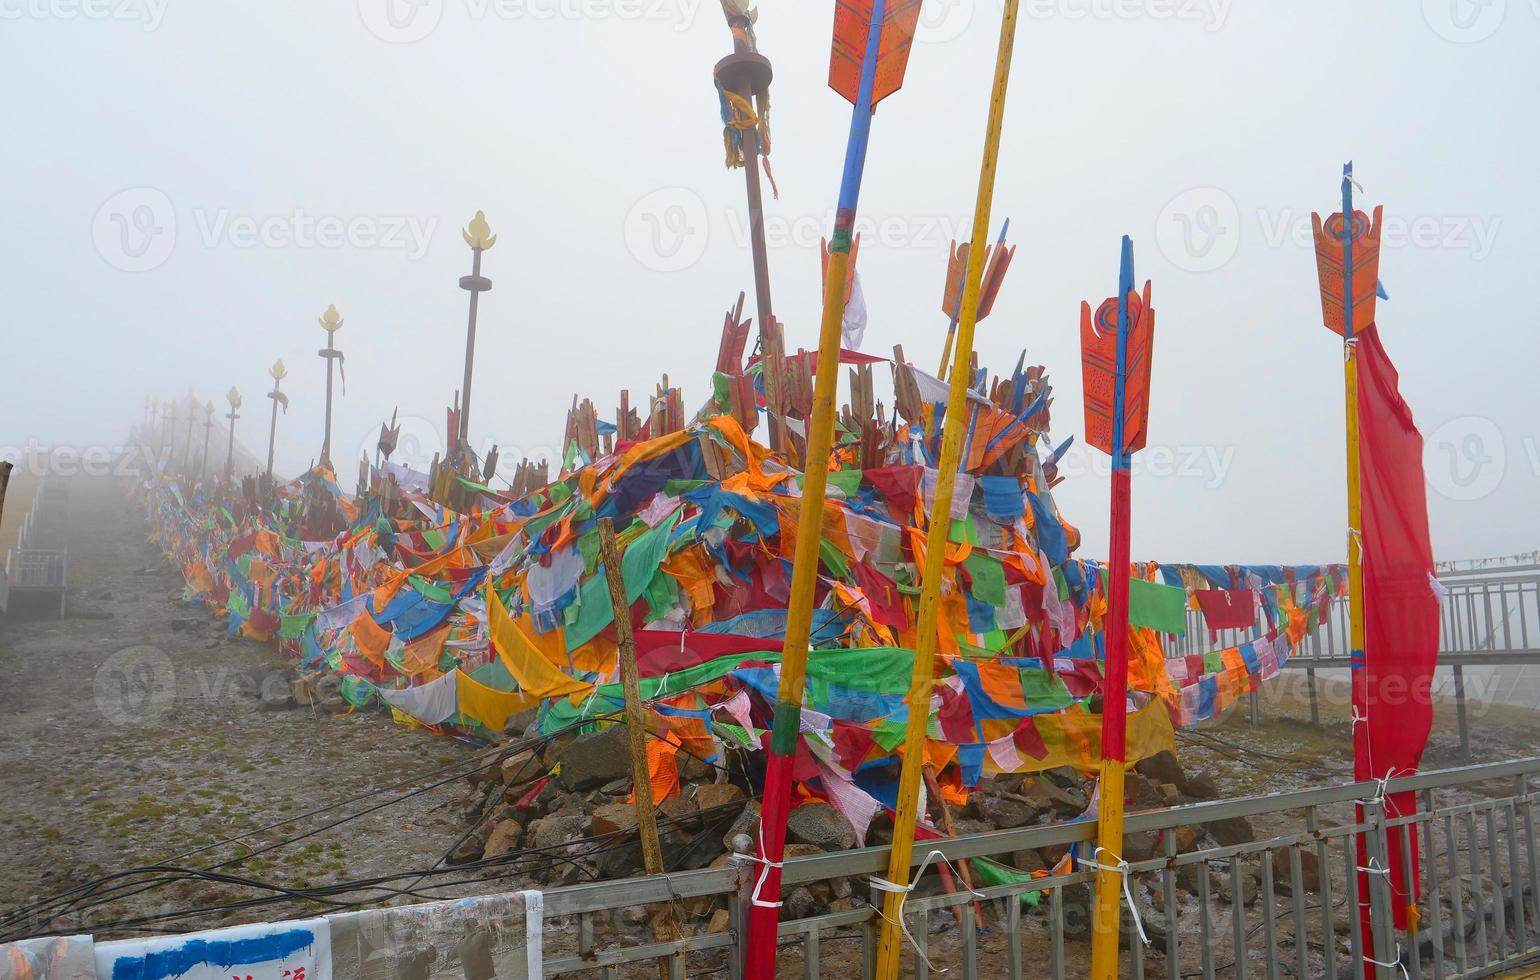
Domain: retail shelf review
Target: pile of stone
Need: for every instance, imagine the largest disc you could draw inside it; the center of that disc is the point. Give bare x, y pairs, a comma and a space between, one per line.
562, 811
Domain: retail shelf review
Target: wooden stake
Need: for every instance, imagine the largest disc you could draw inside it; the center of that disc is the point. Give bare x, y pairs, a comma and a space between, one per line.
933, 786
636, 726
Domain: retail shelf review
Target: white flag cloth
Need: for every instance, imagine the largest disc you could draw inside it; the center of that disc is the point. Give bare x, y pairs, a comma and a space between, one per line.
342, 614
429, 703
854, 324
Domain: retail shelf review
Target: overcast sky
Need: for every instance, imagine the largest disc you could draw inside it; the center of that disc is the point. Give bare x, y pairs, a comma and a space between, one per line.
188, 185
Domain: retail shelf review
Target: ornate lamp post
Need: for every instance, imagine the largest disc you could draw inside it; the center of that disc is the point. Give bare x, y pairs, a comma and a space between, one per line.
278, 373
480, 238
234, 398
208, 427
331, 322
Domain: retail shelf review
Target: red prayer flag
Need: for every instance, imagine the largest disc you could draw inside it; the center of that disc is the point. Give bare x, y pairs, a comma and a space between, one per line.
1401, 609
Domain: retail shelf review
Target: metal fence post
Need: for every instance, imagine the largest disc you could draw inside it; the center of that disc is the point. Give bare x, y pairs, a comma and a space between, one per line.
1459, 706
1381, 917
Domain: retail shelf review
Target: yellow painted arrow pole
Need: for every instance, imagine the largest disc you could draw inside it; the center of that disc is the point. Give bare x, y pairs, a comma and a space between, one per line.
889, 948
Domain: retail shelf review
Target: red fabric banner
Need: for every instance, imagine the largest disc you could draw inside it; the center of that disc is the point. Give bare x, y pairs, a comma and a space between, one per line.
1401, 609
1227, 609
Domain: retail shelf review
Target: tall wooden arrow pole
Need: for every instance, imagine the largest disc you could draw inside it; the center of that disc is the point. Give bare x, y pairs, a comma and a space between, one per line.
787, 723
1109, 817
889, 946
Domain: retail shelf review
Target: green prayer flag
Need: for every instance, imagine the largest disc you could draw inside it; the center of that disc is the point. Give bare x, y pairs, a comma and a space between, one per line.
1153, 605
988, 578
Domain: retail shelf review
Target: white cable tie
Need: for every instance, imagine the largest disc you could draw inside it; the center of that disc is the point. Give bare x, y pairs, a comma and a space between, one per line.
1373, 868
764, 873
884, 885
1393, 963
1120, 868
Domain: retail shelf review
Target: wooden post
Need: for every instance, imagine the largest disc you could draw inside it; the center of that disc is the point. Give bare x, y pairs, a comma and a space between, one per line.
933, 787
636, 726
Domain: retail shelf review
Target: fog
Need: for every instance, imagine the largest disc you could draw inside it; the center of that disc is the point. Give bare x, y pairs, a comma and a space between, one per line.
188, 186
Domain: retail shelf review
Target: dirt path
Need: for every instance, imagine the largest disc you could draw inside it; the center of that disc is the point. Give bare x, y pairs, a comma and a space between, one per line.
135, 730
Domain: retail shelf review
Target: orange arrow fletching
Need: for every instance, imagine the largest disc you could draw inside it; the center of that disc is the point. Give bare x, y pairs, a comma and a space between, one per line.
1099, 361
852, 22
956, 265
994, 278
1366, 267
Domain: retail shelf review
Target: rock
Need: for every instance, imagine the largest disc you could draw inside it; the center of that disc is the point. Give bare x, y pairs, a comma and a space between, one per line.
1188, 877
1067, 777
1143, 792
519, 767
1139, 847
967, 828
1148, 901
1186, 839
518, 723
505, 836
592, 760
615, 787
1170, 795
693, 769
551, 754
747, 823
1029, 861
715, 798
556, 830
1250, 886
471, 848
1201, 787
1077, 911
821, 825
799, 904
718, 922
1231, 831
1309, 872
680, 812
1162, 767
612, 818
1004, 813
1048, 795
550, 798
1052, 854
620, 861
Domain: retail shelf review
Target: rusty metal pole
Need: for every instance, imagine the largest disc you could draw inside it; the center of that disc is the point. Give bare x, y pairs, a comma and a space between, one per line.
636, 724
747, 74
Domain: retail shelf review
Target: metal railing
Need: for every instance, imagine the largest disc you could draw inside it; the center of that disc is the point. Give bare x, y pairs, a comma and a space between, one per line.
1280, 898
1490, 616
1283, 904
